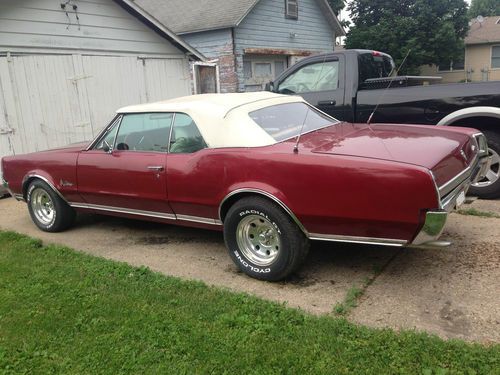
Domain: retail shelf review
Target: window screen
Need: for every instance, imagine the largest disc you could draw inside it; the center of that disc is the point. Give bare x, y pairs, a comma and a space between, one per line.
291, 9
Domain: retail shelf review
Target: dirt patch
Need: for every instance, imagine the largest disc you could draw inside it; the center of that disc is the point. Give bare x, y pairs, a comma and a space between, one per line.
452, 292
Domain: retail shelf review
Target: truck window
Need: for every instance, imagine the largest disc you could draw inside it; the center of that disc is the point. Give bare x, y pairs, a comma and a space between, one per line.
374, 65
321, 76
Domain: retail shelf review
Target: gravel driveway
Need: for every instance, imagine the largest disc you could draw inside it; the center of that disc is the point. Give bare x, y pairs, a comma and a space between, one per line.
452, 292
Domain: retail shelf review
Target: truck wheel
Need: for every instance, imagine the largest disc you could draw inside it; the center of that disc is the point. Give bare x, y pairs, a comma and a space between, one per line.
489, 187
48, 211
262, 239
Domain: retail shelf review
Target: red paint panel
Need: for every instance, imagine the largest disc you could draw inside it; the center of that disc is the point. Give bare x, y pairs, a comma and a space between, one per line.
123, 179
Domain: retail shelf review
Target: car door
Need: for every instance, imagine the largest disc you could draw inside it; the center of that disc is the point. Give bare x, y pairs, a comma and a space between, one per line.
320, 82
125, 169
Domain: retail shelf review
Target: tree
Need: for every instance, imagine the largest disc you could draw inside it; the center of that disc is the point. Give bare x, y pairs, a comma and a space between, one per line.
484, 8
432, 29
337, 6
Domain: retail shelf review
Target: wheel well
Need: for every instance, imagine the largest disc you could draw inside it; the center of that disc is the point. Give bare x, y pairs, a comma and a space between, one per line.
228, 202
226, 205
27, 183
479, 122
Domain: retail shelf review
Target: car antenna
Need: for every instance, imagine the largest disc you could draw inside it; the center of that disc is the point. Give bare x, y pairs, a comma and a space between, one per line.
296, 147
387, 88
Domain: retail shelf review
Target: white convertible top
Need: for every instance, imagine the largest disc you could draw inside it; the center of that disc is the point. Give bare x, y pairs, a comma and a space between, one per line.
222, 119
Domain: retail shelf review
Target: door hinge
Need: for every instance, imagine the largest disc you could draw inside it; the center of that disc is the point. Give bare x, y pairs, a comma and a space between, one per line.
6, 131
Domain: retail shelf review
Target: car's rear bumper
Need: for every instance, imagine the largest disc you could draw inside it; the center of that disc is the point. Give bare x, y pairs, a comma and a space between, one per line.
455, 190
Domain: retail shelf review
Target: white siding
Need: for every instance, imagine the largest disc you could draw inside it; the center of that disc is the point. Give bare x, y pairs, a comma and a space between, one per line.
104, 26
53, 100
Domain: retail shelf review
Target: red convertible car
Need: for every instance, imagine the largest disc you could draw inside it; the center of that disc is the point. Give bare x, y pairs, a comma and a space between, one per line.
269, 170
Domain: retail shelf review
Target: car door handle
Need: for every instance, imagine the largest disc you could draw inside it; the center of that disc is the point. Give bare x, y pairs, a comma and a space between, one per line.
327, 102
157, 168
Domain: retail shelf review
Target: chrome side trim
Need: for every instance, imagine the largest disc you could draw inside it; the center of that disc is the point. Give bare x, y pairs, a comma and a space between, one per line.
34, 175
355, 239
198, 219
432, 229
268, 195
438, 195
451, 184
130, 211
161, 215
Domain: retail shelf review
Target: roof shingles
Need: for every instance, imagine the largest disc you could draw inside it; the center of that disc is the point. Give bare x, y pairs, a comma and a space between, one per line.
190, 16
484, 32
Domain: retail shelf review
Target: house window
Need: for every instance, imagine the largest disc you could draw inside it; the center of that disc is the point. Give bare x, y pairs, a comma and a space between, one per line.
291, 9
495, 57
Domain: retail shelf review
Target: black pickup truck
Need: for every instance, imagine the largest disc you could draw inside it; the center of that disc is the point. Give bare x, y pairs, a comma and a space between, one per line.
349, 84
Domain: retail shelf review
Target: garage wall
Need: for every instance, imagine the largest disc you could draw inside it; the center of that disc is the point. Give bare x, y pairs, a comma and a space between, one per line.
102, 25
48, 101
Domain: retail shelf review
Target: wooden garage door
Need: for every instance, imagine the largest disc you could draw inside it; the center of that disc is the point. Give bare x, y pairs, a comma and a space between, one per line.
52, 100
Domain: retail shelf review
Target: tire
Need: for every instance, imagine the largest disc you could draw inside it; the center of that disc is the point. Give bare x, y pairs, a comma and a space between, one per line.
489, 187
47, 209
262, 239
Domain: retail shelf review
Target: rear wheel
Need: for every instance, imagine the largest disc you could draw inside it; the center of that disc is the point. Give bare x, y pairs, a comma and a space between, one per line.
262, 239
48, 210
489, 187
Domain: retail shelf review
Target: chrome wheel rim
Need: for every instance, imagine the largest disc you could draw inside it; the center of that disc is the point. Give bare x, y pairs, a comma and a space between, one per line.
42, 206
258, 239
493, 173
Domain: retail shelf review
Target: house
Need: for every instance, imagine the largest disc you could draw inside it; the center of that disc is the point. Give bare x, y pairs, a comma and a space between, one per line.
482, 55
249, 41
67, 65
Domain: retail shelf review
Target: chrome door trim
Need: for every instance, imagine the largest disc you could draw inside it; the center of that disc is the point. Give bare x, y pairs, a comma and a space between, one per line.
198, 219
161, 215
356, 239
268, 195
129, 211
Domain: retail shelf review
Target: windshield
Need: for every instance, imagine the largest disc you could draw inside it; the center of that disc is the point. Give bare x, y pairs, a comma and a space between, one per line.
283, 121
375, 65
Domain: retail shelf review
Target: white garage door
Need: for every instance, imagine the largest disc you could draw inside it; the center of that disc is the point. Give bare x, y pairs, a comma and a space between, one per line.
52, 100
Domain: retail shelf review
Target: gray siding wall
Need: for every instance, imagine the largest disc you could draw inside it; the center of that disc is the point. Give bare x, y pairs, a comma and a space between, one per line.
266, 27
42, 26
211, 43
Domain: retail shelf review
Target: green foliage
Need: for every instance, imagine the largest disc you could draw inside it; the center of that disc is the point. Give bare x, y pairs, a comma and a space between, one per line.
337, 6
484, 8
475, 212
65, 312
432, 29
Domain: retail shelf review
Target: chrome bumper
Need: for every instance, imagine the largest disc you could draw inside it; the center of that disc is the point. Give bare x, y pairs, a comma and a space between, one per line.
451, 195
432, 229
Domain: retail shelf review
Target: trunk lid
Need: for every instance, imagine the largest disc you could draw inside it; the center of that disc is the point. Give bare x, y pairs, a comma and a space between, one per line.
439, 150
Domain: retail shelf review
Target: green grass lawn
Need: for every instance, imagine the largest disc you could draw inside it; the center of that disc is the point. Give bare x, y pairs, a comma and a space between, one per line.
66, 312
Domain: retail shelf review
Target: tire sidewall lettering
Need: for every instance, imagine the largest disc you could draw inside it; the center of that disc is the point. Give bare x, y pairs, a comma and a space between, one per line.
257, 212
251, 267
240, 257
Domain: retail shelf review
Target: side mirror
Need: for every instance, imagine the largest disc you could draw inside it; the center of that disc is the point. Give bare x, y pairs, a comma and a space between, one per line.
269, 86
